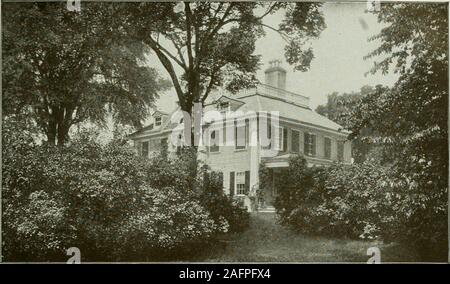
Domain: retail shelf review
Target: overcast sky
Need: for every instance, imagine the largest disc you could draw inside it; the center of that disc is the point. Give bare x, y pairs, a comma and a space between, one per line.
338, 64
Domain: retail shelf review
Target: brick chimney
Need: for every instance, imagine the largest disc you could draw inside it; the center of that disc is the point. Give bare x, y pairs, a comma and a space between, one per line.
276, 75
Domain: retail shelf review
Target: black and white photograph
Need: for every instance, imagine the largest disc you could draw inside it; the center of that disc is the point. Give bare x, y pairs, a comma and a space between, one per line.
224, 132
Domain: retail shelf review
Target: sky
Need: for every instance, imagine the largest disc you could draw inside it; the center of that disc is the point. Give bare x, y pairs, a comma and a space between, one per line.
338, 64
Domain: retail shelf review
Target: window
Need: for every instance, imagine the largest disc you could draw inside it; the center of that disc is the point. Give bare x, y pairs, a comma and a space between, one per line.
310, 144
223, 107
280, 139
285, 139
267, 135
144, 151
158, 121
327, 143
240, 183
340, 150
213, 141
240, 137
295, 141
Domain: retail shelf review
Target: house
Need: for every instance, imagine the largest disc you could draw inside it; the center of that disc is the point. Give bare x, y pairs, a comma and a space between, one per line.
233, 140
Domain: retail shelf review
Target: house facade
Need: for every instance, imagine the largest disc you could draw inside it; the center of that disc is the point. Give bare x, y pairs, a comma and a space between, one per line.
266, 124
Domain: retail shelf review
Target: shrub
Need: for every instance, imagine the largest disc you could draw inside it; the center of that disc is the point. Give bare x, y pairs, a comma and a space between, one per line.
104, 200
223, 209
364, 201
170, 228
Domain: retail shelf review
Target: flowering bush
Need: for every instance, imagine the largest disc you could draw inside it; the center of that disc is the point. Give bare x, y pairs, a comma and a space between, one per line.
222, 207
104, 200
366, 201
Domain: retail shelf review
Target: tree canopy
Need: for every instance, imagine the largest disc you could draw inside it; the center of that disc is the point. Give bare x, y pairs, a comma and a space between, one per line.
337, 108
213, 43
411, 118
61, 68
413, 113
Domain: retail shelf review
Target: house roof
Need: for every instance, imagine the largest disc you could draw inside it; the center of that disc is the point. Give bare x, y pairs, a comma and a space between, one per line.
160, 112
226, 98
142, 130
287, 110
282, 160
257, 102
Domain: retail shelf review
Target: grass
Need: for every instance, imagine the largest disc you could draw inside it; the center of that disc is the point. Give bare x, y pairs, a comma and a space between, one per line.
267, 241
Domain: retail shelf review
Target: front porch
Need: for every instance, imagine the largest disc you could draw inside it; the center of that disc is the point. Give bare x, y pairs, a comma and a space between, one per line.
268, 193
261, 198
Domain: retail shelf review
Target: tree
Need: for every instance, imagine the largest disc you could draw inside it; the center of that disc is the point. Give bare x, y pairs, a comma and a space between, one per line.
339, 104
213, 43
61, 68
412, 116
337, 108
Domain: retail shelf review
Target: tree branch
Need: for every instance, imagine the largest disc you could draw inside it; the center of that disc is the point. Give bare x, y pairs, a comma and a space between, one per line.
284, 36
188, 12
269, 10
169, 67
209, 87
178, 48
174, 58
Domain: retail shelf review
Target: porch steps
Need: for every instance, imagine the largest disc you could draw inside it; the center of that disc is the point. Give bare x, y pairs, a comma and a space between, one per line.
268, 209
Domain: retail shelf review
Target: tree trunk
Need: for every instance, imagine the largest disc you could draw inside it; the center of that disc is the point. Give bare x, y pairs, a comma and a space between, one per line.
58, 126
51, 132
62, 134
51, 138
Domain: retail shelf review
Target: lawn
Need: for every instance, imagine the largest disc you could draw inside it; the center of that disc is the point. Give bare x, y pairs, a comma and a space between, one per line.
267, 241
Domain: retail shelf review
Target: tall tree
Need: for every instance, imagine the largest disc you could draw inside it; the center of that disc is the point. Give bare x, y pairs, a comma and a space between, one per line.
338, 107
412, 116
61, 68
213, 43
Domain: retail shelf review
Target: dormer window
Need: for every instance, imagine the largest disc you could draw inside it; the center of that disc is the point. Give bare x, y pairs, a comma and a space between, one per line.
223, 107
158, 121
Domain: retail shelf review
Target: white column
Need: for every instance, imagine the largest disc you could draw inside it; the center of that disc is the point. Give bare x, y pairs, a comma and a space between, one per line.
254, 153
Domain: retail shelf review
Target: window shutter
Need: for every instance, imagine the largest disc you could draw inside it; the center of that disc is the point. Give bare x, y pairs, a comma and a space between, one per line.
257, 127
269, 131
247, 182
305, 143
247, 132
224, 133
313, 142
235, 134
295, 136
285, 139
231, 184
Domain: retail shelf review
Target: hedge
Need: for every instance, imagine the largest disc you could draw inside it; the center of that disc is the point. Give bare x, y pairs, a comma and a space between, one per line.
364, 201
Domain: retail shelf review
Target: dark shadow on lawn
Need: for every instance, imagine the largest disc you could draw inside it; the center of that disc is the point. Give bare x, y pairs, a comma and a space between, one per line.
267, 241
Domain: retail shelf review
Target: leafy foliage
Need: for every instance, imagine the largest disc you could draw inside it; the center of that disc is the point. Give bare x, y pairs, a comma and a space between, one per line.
98, 198
411, 118
62, 68
220, 205
409, 121
213, 43
338, 109
363, 200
